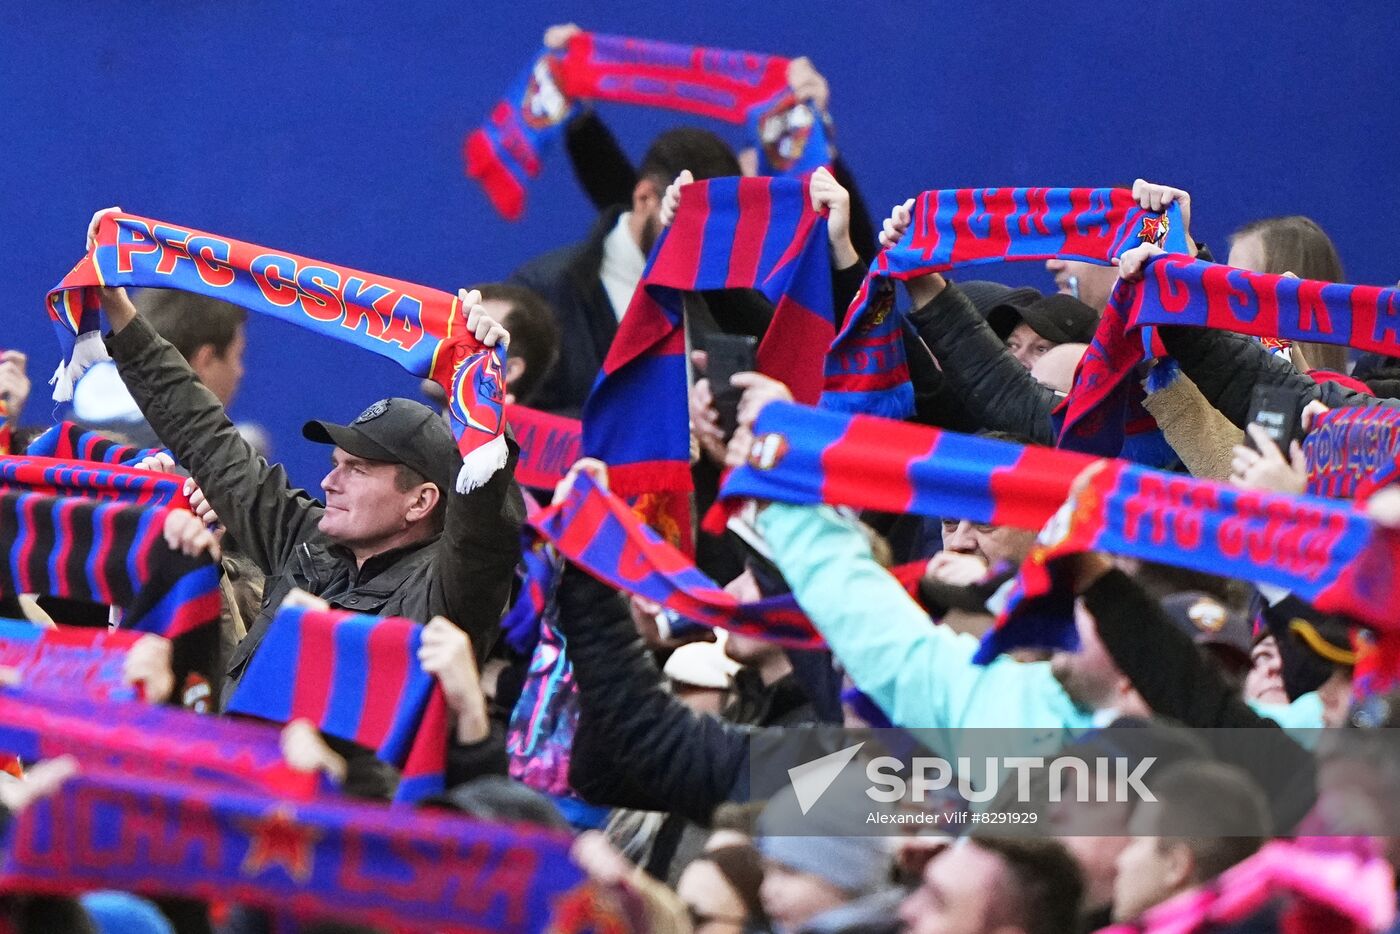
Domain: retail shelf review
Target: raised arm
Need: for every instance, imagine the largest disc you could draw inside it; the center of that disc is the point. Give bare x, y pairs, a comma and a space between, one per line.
1226, 367
636, 745
1176, 681
980, 376
477, 554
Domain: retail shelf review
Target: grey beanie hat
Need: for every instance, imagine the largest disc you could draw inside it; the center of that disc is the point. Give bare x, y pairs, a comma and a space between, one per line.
832, 839
858, 865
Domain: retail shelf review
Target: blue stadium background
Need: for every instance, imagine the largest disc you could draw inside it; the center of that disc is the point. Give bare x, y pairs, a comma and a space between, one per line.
334, 130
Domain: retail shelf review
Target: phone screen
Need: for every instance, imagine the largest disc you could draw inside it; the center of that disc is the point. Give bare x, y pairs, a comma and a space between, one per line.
1275, 410
729, 354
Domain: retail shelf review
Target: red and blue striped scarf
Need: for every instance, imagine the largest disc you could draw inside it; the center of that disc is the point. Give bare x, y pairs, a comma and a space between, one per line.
1179, 290
356, 677
48, 466
112, 553
601, 534
392, 869
70, 441
111, 482
754, 233
866, 370
67, 660
737, 87
39, 723
549, 446
807, 456
421, 329
1353, 452
1323, 551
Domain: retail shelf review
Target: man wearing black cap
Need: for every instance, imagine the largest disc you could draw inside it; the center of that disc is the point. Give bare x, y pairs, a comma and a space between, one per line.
1028, 331
393, 538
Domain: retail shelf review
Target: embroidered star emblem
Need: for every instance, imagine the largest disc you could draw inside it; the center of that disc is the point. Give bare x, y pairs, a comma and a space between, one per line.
276, 839
1154, 229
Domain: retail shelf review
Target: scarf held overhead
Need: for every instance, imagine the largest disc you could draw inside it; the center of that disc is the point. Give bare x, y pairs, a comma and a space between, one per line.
1353, 452
421, 329
737, 87
549, 446
866, 370
93, 481
356, 677
754, 233
600, 534
70, 441
1326, 553
1177, 290
358, 862
808, 456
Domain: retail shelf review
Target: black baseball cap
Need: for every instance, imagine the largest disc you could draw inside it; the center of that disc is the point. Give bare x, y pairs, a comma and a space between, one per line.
396, 431
1210, 623
1060, 318
986, 295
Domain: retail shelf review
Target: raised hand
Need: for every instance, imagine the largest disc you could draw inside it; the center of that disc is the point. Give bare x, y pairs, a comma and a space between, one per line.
807, 83
759, 390
828, 194
589, 465
558, 36
483, 326
446, 654
14, 382
1153, 197
1266, 468
305, 750
186, 533
671, 201
147, 666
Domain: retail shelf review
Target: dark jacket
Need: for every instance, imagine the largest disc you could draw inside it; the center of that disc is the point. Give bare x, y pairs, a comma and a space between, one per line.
1177, 681
600, 165
636, 746
982, 386
1226, 367
568, 279
782, 703
465, 573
